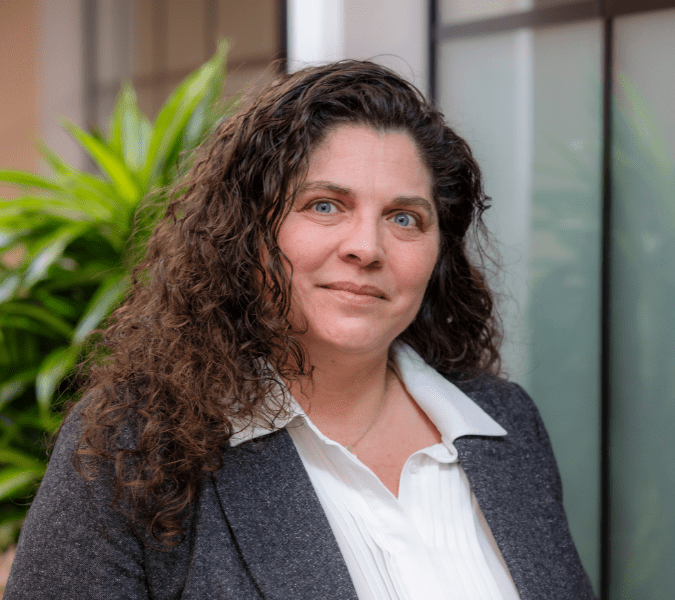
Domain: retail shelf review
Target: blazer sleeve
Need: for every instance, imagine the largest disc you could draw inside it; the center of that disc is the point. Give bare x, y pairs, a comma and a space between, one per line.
73, 544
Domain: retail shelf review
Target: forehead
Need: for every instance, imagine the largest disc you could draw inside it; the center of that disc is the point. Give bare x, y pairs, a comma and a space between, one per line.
343, 134
358, 154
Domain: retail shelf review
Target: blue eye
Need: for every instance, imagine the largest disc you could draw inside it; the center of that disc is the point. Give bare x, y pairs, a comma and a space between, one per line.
403, 219
323, 207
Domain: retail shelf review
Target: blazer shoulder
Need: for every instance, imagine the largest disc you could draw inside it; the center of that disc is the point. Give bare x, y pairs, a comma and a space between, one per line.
503, 400
71, 521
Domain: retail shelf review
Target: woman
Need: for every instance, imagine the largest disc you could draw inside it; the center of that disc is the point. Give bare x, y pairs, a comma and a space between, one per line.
306, 356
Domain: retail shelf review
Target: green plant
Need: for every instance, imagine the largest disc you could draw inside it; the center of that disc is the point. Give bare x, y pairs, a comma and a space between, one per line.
65, 245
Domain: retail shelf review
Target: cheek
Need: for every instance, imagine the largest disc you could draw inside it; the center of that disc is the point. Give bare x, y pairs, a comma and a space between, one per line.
304, 247
415, 270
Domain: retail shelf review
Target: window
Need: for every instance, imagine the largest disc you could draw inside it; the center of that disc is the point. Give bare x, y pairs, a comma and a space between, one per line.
568, 107
156, 43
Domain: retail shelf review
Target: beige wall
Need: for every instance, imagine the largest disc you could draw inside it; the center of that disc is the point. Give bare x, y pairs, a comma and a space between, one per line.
19, 121
180, 26
41, 62
61, 70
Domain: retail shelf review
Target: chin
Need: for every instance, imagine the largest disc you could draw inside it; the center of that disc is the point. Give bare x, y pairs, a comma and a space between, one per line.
351, 340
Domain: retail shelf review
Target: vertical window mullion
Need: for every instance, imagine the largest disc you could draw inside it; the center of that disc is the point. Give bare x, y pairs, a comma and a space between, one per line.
434, 42
605, 395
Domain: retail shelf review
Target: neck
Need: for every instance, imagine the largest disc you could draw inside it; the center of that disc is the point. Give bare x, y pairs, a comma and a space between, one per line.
344, 391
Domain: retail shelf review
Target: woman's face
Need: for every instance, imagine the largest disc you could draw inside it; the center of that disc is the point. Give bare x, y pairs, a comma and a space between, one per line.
362, 237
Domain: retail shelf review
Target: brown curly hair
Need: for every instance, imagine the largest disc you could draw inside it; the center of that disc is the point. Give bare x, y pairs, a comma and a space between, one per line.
203, 337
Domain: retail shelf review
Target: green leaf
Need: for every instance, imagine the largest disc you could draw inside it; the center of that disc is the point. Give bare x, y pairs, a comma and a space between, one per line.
11, 390
204, 116
52, 372
56, 305
34, 418
110, 164
85, 187
129, 129
79, 182
68, 208
10, 524
85, 275
8, 287
50, 250
21, 460
59, 166
14, 480
171, 122
15, 322
27, 180
26, 225
15, 386
9, 234
38, 315
125, 98
110, 292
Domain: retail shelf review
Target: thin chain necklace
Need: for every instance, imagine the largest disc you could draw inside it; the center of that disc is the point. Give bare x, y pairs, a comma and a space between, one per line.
374, 420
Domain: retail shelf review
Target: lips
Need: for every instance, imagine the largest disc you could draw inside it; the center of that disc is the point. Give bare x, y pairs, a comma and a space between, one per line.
361, 290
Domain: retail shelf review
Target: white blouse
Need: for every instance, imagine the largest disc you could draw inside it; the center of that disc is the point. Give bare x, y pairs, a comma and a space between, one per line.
432, 542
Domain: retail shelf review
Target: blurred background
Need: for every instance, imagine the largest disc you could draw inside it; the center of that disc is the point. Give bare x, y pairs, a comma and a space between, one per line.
568, 106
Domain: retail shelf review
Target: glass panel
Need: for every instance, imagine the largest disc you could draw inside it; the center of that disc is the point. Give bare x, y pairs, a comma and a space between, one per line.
565, 257
529, 103
485, 89
643, 298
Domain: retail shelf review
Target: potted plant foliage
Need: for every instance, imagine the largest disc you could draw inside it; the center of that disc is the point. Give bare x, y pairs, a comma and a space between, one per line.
69, 236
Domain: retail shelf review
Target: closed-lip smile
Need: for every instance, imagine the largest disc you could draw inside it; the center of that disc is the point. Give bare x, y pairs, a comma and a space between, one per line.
361, 290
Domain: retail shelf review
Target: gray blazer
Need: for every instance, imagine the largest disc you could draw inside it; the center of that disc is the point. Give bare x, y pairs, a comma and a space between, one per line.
258, 531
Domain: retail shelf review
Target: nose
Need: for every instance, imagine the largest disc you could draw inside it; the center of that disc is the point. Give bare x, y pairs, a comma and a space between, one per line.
362, 244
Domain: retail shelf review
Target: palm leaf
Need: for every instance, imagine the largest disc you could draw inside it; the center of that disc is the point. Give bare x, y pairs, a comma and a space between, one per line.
174, 116
129, 130
27, 180
52, 371
50, 249
109, 293
110, 164
39, 315
14, 480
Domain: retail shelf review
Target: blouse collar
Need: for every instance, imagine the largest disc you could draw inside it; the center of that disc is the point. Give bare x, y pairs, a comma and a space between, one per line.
451, 410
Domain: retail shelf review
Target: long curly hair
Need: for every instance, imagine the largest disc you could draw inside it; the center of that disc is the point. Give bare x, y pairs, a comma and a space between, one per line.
203, 338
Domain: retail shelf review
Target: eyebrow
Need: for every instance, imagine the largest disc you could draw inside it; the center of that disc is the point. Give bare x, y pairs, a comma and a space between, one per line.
398, 202
309, 186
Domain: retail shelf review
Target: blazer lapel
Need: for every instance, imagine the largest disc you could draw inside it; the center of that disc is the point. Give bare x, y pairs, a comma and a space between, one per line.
516, 484
279, 525
490, 481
